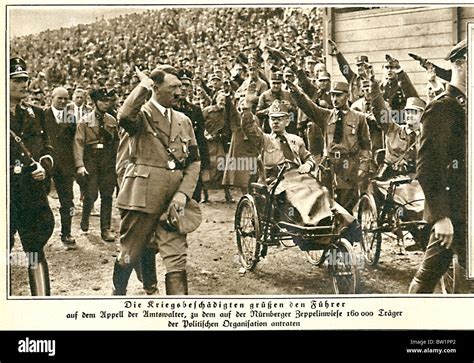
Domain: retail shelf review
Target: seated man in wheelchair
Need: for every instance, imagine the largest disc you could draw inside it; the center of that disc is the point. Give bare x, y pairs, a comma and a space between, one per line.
402, 133
302, 200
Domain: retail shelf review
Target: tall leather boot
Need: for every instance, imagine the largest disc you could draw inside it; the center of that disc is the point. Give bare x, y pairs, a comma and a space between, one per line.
105, 219
120, 278
228, 195
38, 274
176, 283
86, 212
148, 271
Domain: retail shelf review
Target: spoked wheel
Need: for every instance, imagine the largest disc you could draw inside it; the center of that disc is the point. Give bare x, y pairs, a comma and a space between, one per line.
449, 280
342, 266
371, 243
247, 229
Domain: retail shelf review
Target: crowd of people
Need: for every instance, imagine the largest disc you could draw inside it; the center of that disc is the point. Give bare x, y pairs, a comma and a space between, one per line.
237, 68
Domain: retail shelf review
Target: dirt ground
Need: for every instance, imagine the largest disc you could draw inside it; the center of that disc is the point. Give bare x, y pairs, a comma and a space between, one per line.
213, 267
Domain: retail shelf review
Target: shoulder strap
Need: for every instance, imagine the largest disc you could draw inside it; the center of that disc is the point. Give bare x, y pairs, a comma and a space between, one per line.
22, 145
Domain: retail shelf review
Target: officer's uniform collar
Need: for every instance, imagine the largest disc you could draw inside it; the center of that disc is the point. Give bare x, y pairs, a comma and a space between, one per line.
456, 93
161, 108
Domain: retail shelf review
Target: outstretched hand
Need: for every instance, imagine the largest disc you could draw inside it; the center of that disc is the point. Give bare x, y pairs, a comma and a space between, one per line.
334, 49
144, 79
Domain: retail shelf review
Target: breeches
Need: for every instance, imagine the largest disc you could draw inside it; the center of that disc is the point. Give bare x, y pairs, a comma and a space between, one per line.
137, 229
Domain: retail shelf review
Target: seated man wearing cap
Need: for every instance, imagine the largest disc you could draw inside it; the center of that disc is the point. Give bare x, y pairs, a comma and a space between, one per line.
400, 155
441, 170
95, 151
30, 166
347, 140
401, 136
298, 189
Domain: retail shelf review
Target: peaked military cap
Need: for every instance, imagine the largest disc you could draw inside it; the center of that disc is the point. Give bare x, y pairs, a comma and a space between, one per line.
277, 77
415, 103
18, 68
362, 59
185, 74
101, 94
279, 108
339, 87
458, 51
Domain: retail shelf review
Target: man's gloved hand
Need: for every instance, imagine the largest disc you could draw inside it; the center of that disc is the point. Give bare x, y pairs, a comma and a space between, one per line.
39, 173
179, 201
444, 231
82, 171
423, 61
305, 168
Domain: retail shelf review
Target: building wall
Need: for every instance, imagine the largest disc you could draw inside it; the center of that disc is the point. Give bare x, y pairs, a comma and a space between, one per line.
427, 31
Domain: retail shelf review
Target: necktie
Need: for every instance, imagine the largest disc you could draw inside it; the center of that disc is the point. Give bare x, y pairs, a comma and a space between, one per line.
339, 125
287, 153
167, 114
59, 117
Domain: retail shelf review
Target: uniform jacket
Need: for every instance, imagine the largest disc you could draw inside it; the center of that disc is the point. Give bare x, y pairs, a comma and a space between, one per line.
269, 146
195, 115
400, 144
354, 80
61, 135
261, 87
396, 92
28, 124
441, 162
147, 185
87, 134
355, 145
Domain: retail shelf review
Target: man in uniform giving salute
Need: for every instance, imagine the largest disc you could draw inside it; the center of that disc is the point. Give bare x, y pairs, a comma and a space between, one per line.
156, 192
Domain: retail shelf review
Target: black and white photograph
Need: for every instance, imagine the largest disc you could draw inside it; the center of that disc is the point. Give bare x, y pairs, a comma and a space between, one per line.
237, 150
275, 172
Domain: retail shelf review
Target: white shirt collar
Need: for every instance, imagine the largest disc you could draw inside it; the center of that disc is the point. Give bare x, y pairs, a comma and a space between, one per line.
161, 108
57, 113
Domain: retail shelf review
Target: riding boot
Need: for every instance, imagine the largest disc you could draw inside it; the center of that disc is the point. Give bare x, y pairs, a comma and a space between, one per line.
66, 219
38, 274
228, 195
206, 196
86, 212
176, 283
105, 219
148, 271
120, 278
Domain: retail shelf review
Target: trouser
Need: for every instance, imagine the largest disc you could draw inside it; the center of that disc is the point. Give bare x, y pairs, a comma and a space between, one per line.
347, 198
436, 261
102, 181
198, 190
315, 139
64, 187
35, 227
136, 230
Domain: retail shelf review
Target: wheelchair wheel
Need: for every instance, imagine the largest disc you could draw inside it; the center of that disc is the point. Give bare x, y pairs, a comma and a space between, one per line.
247, 229
448, 281
371, 243
342, 266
